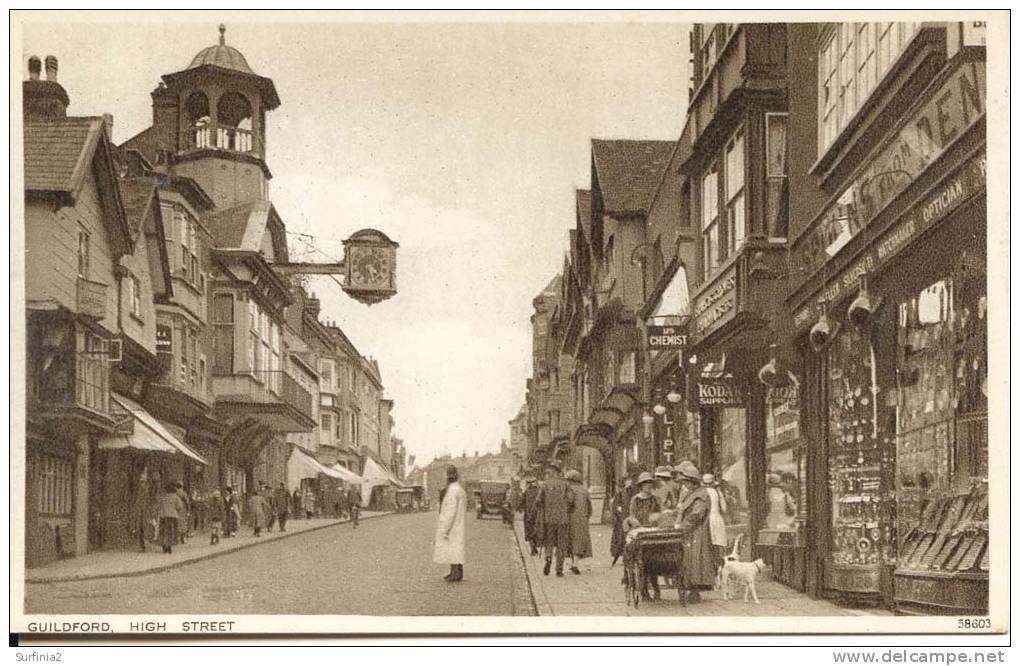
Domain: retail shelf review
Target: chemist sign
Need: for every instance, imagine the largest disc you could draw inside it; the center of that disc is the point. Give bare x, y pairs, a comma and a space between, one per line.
666, 337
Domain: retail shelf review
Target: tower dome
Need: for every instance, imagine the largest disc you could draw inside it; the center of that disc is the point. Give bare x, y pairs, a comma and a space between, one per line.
221, 55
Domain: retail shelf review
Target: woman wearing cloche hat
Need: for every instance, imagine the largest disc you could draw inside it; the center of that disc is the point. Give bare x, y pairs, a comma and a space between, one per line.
693, 521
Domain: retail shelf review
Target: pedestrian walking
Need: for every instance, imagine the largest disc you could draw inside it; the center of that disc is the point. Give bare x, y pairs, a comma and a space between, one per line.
257, 512
216, 512
342, 501
556, 502
693, 522
529, 505
183, 521
296, 500
281, 504
308, 503
354, 498
170, 510
267, 497
580, 534
449, 546
232, 519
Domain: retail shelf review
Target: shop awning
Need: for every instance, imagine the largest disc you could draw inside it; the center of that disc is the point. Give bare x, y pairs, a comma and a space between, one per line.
375, 475
347, 475
147, 433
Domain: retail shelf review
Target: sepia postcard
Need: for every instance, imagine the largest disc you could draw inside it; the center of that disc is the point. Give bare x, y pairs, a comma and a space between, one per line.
518, 323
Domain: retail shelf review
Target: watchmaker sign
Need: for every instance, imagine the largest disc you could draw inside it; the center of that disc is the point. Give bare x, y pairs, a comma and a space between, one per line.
666, 337
721, 392
717, 304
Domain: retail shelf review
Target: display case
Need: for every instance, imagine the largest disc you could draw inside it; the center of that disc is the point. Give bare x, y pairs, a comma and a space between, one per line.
862, 457
942, 443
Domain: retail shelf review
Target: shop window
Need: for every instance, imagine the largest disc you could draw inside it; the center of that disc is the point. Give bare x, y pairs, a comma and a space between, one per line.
942, 422
785, 489
55, 485
852, 59
731, 457
861, 454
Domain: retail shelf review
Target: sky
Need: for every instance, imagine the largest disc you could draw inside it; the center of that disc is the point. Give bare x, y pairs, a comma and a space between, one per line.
463, 142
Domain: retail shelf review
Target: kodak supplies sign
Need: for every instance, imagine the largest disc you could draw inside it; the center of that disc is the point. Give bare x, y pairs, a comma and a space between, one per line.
723, 392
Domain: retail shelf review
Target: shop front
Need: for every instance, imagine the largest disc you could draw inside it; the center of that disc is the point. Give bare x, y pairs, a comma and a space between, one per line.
895, 340
744, 404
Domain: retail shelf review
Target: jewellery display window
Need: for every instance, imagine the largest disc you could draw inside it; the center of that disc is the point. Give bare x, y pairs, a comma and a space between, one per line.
942, 423
785, 469
861, 456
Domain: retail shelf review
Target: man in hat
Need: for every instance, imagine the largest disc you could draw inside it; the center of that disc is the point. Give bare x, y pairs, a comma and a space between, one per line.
665, 491
693, 521
529, 506
555, 504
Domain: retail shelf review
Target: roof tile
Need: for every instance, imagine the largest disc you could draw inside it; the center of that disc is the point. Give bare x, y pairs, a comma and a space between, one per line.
629, 172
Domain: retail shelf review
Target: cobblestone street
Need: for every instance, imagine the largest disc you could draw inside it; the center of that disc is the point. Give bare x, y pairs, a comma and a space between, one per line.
382, 568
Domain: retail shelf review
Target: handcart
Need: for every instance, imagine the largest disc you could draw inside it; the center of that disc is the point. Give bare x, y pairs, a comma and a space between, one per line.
653, 552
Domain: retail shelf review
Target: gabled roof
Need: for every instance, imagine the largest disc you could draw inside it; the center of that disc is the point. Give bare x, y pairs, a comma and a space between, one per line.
59, 155
628, 172
584, 212
242, 228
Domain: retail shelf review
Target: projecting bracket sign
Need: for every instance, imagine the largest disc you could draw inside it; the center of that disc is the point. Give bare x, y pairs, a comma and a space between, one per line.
666, 337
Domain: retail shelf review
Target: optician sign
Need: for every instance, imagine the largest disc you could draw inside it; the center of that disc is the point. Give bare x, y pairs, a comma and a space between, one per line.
945, 198
666, 337
949, 111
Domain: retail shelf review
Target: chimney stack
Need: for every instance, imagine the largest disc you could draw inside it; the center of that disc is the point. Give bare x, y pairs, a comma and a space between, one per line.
43, 99
51, 68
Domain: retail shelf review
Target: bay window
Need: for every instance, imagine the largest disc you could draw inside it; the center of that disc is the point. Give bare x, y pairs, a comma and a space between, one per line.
852, 60
223, 324
734, 196
775, 171
710, 221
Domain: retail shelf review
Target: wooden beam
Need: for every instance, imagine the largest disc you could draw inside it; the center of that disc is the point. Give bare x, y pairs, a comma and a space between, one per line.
305, 268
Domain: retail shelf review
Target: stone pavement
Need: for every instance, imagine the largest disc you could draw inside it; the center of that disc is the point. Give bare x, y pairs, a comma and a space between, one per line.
598, 591
117, 563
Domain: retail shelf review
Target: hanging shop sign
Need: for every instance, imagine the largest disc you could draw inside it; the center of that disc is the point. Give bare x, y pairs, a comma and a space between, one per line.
786, 397
666, 337
935, 206
721, 392
717, 304
948, 112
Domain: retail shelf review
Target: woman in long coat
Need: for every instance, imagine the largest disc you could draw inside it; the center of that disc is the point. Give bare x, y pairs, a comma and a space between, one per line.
693, 520
449, 546
257, 512
580, 534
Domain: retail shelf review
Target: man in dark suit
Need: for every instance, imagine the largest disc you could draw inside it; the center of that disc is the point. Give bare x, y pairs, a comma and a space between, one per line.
281, 504
555, 503
528, 504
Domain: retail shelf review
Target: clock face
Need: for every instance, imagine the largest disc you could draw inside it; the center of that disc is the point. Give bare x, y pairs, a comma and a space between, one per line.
370, 268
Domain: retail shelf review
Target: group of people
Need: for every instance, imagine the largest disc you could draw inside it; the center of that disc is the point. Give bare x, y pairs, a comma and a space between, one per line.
556, 516
265, 509
684, 499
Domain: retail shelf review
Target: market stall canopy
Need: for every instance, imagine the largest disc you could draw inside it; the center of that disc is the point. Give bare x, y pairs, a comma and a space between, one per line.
147, 433
302, 466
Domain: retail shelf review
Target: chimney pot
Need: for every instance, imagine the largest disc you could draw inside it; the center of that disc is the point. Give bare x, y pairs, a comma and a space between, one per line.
51, 68
34, 67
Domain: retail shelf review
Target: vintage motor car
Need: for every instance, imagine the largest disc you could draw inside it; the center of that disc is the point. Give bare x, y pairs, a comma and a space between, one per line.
490, 497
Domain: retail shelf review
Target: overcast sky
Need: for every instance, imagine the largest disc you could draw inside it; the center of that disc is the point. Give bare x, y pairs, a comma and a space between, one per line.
462, 142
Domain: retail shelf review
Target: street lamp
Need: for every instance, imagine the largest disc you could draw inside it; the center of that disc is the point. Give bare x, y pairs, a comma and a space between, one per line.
659, 409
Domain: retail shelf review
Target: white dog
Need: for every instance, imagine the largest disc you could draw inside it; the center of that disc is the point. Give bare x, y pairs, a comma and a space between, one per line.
744, 572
